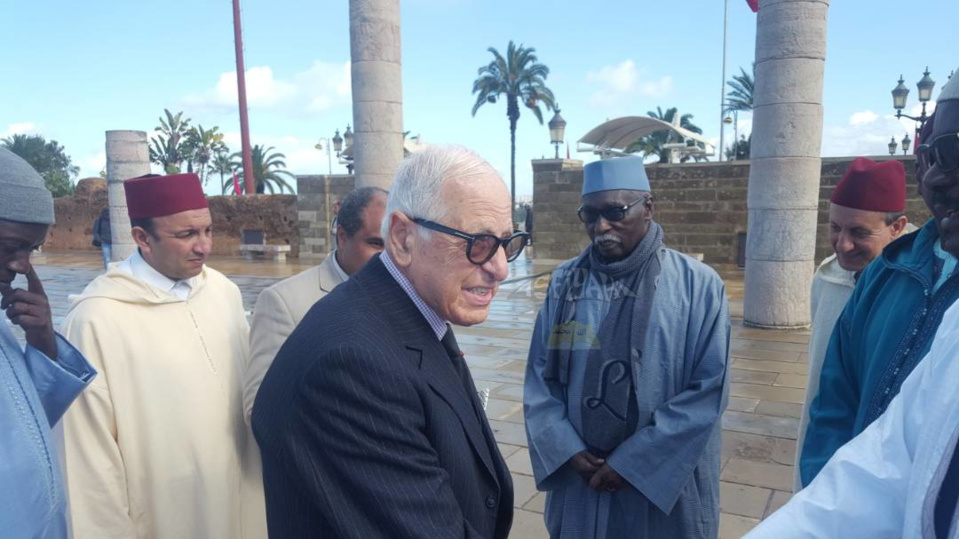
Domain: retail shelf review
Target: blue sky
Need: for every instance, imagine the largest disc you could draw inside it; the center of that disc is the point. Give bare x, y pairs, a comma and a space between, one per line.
73, 70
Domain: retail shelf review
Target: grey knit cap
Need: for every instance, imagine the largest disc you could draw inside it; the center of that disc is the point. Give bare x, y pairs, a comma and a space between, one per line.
23, 195
950, 90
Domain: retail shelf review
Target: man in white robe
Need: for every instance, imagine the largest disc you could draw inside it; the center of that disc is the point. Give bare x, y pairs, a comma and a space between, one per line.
865, 214
626, 379
156, 447
900, 476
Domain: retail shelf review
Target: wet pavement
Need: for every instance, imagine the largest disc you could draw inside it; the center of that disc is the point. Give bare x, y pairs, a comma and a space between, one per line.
767, 380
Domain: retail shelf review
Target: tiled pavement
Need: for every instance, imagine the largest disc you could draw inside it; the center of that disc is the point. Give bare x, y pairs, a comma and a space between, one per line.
768, 374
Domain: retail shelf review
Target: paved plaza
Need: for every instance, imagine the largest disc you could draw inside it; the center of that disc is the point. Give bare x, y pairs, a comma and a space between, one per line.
767, 379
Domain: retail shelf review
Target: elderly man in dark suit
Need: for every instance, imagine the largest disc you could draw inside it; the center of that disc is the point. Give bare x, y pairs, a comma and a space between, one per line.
368, 419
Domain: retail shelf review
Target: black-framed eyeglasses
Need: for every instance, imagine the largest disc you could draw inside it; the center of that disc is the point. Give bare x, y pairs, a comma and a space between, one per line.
610, 213
481, 247
942, 151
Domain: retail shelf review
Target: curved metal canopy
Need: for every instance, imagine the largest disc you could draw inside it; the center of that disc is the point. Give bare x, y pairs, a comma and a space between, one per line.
615, 135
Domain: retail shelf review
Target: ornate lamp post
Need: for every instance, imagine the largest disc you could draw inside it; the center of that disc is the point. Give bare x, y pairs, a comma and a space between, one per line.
892, 146
557, 130
901, 92
905, 144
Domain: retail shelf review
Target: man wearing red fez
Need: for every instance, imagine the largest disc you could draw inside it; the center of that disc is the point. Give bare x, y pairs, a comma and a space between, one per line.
865, 214
888, 325
158, 448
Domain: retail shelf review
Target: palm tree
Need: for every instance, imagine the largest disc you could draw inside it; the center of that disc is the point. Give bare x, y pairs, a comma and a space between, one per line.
222, 165
652, 144
201, 146
520, 78
268, 170
740, 98
168, 148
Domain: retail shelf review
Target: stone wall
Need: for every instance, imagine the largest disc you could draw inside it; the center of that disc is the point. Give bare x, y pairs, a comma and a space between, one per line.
274, 214
317, 198
702, 207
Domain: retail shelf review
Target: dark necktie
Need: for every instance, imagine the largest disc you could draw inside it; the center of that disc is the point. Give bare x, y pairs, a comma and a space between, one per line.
459, 364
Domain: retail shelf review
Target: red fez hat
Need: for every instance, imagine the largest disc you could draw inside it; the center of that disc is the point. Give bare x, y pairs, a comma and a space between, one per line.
872, 186
156, 196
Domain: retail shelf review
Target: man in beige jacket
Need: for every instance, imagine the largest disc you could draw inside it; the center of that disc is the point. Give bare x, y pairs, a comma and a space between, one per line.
280, 307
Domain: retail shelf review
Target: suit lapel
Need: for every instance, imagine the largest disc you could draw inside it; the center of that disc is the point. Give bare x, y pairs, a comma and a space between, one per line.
327, 274
442, 377
415, 333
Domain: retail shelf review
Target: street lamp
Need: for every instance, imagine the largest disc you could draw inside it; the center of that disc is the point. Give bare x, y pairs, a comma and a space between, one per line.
324, 143
337, 142
557, 130
901, 92
905, 144
892, 146
348, 136
734, 119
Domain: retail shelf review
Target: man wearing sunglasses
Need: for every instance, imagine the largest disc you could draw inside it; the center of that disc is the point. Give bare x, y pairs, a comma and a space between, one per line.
900, 476
626, 378
889, 323
368, 420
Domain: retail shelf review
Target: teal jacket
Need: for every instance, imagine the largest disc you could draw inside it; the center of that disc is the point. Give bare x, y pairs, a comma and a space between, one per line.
884, 331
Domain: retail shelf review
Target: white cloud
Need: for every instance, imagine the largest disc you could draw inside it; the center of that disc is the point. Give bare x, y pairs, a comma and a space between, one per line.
318, 88
866, 133
623, 80
863, 118
92, 164
18, 129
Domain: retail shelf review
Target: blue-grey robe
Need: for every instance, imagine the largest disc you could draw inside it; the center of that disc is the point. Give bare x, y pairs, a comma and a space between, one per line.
672, 462
34, 394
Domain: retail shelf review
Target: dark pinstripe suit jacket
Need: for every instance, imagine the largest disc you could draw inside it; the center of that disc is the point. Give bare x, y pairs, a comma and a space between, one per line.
366, 431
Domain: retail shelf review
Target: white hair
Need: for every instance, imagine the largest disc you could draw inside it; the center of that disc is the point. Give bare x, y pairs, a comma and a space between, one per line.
420, 178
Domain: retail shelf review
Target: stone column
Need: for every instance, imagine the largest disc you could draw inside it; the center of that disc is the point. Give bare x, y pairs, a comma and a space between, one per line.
784, 176
377, 91
128, 156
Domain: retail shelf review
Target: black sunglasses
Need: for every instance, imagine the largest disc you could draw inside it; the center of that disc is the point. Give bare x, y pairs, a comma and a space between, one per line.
481, 247
942, 151
610, 213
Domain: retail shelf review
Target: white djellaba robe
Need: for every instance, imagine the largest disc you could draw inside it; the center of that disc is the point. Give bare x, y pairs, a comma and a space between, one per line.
671, 463
831, 288
155, 447
885, 482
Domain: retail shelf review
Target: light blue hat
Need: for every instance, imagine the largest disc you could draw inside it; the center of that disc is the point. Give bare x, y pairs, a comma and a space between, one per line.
613, 174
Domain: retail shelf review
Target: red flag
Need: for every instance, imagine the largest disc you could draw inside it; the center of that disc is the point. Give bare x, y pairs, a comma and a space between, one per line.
753, 5
236, 184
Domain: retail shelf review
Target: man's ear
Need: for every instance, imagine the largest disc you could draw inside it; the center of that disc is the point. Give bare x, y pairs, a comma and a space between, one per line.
899, 226
401, 239
143, 239
650, 208
340, 236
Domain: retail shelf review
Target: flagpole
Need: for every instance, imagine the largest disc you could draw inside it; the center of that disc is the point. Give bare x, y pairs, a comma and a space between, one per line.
722, 87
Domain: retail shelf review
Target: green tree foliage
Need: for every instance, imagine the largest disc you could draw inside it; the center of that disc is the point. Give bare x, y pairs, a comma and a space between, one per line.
739, 150
519, 78
200, 149
652, 144
168, 149
221, 164
269, 171
48, 158
740, 97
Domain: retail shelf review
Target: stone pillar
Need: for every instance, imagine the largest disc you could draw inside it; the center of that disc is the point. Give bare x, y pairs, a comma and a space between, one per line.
785, 159
377, 91
558, 233
128, 156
